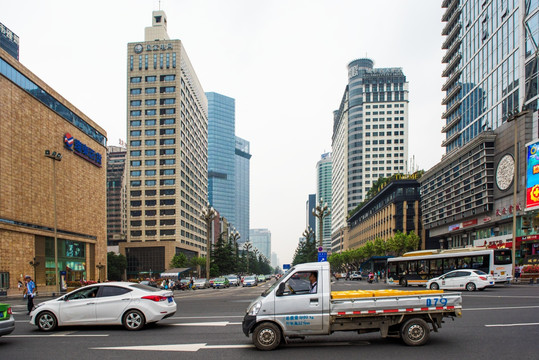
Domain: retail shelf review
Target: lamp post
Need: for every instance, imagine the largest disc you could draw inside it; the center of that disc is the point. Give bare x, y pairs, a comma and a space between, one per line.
308, 233
321, 211
208, 213
247, 247
55, 156
34, 264
99, 268
514, 116
235, 236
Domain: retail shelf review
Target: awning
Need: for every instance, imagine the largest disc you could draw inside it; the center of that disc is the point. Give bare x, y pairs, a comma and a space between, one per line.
173, 272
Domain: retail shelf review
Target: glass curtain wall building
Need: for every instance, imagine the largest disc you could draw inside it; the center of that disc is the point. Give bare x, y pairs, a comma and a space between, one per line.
490, 65
323, 192
221, 155
261, 239
116, 195
242, 218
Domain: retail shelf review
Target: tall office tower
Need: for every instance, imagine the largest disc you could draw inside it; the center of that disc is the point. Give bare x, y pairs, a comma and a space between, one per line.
221, 155
323, 192
274, 260
167, 157
370, 135
243, 172
261, 240
116, 195
491, 65
9, 41
310, 219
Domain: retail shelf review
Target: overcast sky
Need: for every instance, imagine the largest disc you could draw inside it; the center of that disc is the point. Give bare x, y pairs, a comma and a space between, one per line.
284, 61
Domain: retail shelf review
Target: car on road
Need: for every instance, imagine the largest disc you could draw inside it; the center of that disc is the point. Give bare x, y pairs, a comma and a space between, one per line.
249, 281
7, 321
221, 282
355, 275
462, 279
234, 280
261, 278
113, 303
202, 283
149, 283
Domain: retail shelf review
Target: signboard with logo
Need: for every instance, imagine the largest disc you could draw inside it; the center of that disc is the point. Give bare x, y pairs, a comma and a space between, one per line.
82, 150
322, 256
532, 175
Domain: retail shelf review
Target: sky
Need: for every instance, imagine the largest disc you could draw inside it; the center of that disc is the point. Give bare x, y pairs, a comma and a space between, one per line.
283, 61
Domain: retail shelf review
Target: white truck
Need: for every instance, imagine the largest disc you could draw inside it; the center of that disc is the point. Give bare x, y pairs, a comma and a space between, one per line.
294, 308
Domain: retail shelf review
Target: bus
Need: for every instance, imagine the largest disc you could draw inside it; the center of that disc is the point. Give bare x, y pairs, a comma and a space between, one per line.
417, 267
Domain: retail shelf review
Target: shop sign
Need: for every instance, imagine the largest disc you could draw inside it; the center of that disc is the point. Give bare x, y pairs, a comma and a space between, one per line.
532, 175
469, 223
507, 210
82, 150
454, 227
487, 219
528, 238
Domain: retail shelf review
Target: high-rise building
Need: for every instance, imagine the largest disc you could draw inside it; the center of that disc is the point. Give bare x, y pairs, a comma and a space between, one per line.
370, 136
243, 172
221, 155
116, 195
310, 219
167, 160
274, 260
9, 41
323, 193
490, 65
261, 240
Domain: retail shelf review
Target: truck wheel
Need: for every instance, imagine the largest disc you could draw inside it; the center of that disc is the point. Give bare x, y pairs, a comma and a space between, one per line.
434, 286
470, 286
403, 282
267, 336
415, 332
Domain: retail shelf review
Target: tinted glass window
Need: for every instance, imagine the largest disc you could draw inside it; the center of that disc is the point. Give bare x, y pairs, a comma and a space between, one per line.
113, 291
144, 287
85, 293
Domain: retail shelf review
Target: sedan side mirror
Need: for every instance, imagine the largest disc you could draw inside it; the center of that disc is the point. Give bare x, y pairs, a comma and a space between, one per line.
280, 290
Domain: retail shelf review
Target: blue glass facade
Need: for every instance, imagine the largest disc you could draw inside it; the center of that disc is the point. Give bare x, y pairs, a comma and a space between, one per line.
221, 155
243, 157
311, 219
484, 70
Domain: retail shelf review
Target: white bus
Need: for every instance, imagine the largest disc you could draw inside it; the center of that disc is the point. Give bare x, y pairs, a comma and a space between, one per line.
417, 267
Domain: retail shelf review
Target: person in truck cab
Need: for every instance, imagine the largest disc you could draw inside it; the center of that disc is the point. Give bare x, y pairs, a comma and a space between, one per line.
313, 278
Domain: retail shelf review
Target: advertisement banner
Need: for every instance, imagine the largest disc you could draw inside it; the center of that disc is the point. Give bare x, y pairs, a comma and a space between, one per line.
532, 175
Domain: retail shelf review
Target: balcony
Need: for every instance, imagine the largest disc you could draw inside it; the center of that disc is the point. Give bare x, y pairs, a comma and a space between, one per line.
445, 3
448, 140
452, 64
451, 124
452, 35
451, 110
452, 79
452, 50
452, 12
451, 94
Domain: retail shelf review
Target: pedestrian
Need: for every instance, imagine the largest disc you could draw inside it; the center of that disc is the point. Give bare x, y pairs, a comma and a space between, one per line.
517, 272
191, 282
29, 293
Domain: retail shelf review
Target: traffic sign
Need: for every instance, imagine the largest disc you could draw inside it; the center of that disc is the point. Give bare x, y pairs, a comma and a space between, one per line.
322, 256
286, 266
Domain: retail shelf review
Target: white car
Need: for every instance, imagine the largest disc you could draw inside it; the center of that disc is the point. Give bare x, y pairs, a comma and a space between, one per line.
461, 279
249, 281
123, 303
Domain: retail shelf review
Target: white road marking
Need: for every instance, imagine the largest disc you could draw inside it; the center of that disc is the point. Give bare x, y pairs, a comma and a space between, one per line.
502, 308
208, 323
174, 347
204, 317
52, 335
507, 325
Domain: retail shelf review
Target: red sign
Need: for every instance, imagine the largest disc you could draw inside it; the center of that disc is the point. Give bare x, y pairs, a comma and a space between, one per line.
469, 223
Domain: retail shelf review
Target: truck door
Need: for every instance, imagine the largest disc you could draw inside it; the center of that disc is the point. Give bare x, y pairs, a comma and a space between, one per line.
299, 306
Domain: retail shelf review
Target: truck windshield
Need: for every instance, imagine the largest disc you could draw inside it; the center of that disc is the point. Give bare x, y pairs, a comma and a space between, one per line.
270, 289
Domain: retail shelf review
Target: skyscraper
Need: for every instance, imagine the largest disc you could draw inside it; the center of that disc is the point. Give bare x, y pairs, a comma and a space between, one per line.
261, 239
116, 195
323, 193
310, 219
221, 155
167, 158
370, 135
243, 157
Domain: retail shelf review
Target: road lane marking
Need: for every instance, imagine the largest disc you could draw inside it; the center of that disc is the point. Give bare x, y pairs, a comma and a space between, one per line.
508, 325
53, 335
204, 317
208, 323
502, 308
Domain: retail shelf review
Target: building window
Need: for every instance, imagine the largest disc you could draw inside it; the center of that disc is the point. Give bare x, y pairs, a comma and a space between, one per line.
169, 111
136, 123
174, 60
168, 131
168, 141
150, 142
167, 89
135, 103
131, 62
145, 62
150, 182
150, 172
150, 102
169, 101
150, 112
149, 162
155, 61
168, 161
168, 182
136, 91
135, 133
135, 142
140, 62
168, 151
135, 113
169, 121
135, 173
150, 122
150, 90
135, 79
135, 163
168, 77
135, 153
150, 132
151, 78
168, 61
150, 152
135, 183
160, 61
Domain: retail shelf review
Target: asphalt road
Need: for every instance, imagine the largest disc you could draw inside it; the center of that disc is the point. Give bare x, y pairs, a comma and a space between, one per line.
498, 323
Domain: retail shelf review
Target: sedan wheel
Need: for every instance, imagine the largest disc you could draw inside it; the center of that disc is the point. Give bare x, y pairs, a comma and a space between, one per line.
46, 321
470, 286
434, 286
133, 320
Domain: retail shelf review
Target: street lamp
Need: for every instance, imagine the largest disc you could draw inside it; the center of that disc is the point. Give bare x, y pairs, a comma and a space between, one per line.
99, 268
207, 214
321, 211
514, 116
247, 247
235, 236
308, 233
55, 156
34, 264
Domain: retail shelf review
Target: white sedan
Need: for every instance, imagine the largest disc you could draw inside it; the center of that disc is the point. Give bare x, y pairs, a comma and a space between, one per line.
114, 303
470, 280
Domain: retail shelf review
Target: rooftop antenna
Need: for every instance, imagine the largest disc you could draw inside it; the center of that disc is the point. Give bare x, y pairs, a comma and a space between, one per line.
159, 4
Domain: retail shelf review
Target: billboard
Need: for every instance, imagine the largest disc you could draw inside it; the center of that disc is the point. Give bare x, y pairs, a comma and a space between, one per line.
532, 175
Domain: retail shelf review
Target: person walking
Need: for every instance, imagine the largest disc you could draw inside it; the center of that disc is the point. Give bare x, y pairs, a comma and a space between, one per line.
29, 293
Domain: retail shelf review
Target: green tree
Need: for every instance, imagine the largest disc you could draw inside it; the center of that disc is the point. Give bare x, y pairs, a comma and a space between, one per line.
380, 247
116, 265
178, 261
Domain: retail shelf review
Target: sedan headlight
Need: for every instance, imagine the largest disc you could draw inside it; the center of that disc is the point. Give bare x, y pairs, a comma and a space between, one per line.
254, 309
37, 306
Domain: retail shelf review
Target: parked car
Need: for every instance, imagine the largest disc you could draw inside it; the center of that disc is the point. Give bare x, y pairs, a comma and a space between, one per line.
355, 275
211, 281
149, 283
249, 281
202, 283
221, 282
234, 280
261, 278
461, 279
129, 304
7, 321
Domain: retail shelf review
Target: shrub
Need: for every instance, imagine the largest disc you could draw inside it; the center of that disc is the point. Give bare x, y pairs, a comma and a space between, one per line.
530, 269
